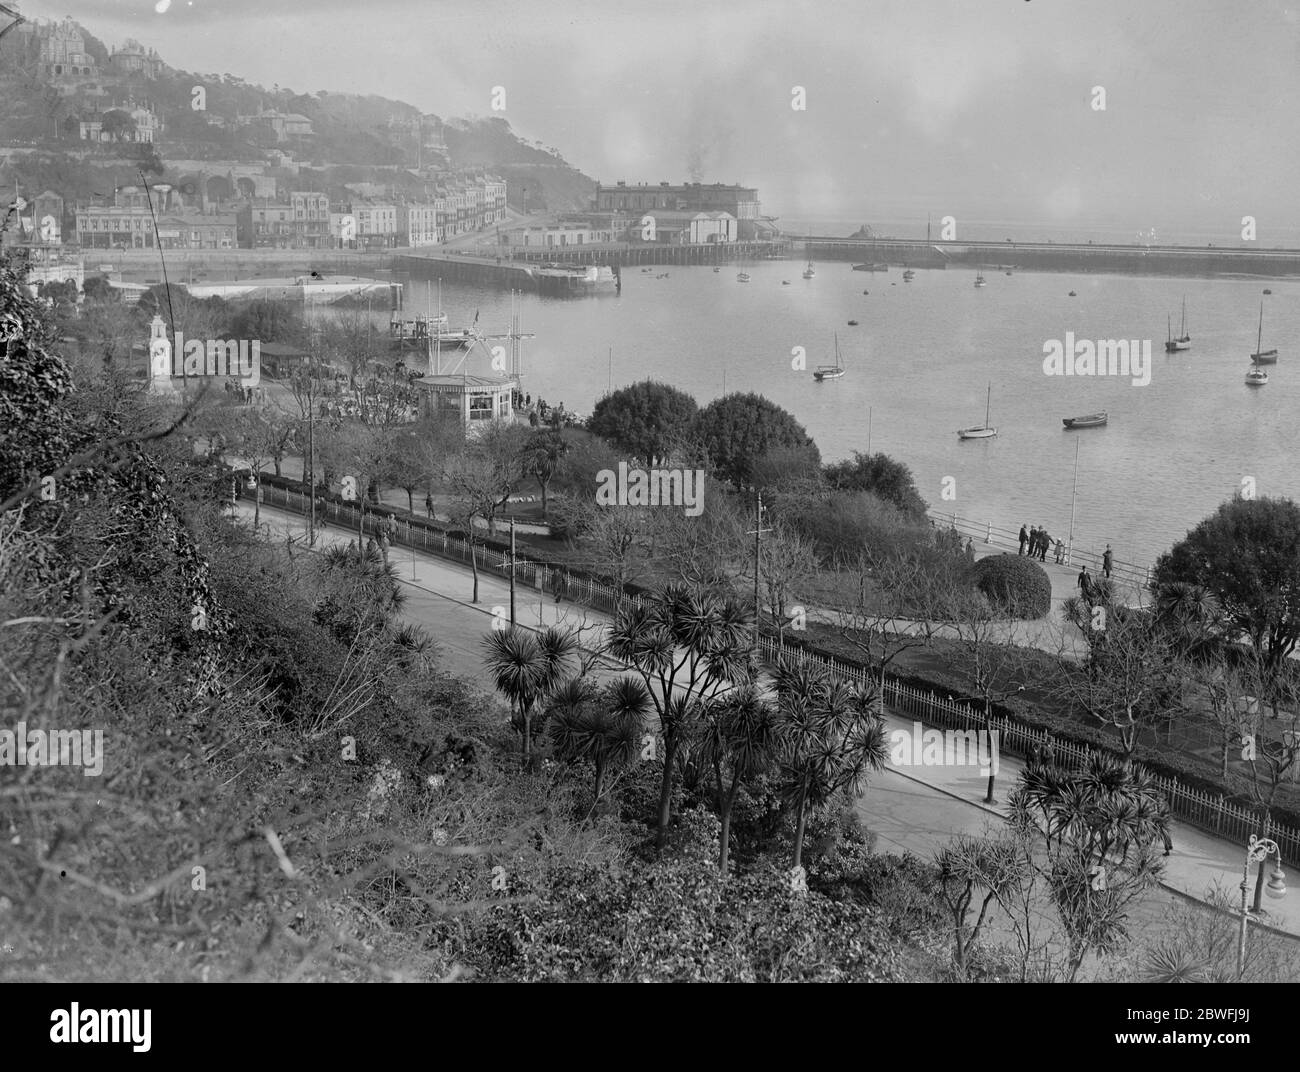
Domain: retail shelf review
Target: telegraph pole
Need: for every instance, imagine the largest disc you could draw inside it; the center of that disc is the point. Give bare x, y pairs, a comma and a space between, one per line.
512, 573
757, 533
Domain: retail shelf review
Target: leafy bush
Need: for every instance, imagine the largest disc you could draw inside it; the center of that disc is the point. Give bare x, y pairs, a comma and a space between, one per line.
1015, 584
679, 921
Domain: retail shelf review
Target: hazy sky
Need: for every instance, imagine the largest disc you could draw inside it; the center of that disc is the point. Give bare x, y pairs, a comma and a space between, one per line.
979, 109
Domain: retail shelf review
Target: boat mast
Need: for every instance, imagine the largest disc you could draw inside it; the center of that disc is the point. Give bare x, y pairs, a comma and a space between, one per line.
1259, 339
1182, 331
987, 400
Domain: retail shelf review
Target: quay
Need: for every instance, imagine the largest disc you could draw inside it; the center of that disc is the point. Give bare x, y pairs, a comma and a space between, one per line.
311, 287
566, 270
1057, 256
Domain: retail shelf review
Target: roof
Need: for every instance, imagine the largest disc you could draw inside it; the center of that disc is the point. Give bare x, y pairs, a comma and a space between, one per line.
279, 349
194, 221
466, 382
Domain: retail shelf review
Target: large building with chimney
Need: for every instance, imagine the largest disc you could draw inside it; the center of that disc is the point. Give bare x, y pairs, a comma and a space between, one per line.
739, 202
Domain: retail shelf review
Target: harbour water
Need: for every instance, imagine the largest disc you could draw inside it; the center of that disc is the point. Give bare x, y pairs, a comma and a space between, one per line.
919, 362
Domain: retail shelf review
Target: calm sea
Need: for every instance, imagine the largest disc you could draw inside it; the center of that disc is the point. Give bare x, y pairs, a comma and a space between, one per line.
918, 364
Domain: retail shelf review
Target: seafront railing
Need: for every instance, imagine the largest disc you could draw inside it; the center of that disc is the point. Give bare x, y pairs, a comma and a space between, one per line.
988, 534
1210, 811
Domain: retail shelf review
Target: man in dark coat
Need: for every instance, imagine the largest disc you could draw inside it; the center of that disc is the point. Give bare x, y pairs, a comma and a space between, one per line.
1024, 539
1085, 583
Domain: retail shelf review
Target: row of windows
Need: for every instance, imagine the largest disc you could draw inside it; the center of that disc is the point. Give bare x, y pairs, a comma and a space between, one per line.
118, 224
481, 409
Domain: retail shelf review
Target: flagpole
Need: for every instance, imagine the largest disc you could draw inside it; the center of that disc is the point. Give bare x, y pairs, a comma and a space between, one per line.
1073, 494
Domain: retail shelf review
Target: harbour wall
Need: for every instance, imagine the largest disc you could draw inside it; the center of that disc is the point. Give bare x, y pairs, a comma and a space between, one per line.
1053, 257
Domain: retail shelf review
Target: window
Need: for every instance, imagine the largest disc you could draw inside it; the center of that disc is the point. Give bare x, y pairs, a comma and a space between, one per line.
480, 407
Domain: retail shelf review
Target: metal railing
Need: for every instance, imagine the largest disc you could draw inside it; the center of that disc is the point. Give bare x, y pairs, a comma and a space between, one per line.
1209, 811
989, 534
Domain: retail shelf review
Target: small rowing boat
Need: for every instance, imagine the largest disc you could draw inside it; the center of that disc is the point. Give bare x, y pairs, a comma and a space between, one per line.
1090, 420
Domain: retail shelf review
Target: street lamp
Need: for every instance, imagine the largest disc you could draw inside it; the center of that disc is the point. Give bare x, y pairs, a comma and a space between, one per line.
1259, 850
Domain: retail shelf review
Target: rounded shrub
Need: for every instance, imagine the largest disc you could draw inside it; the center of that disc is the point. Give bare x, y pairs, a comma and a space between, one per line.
1015, 585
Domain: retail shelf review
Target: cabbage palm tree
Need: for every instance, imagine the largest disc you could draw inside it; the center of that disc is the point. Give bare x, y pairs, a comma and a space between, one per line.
687, 645
527, 668
738, 744
1191, 615
829, 736
602, 725
1107, 804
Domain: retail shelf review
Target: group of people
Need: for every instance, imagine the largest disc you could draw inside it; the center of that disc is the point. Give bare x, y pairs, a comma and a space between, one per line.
1039, 543
238, 391
387, 532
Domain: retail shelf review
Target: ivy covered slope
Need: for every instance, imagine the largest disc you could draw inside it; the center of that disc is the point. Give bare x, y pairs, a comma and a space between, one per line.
292, 789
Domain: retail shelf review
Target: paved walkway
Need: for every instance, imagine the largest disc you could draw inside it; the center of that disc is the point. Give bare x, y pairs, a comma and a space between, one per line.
915, 809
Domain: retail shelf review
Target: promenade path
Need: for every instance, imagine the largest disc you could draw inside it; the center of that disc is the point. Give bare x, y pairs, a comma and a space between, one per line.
1052, 633
914, 809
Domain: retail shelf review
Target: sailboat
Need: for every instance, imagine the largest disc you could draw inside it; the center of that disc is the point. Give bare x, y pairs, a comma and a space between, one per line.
1263, 357
1184, 341
830, 372
979, 281
985, 431
809, 272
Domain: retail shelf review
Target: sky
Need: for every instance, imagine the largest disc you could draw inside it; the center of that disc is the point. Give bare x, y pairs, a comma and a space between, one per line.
982, 110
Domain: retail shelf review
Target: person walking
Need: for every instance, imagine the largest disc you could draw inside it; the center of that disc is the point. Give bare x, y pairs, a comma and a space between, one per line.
1044, 542
1085, 583
1024, 538
1106, 560
969, 551
428, 506
1060, 552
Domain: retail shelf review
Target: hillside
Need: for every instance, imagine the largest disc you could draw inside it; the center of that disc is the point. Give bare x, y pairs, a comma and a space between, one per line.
353, 138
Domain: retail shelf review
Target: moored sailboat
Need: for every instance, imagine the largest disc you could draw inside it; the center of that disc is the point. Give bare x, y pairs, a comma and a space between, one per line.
985, 431
830, 372
1184, 341
1261, 356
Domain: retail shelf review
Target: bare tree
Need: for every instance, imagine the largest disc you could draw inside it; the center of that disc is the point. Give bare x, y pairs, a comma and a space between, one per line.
1127, 679
989, 870
988, 650
786, 560
489, 469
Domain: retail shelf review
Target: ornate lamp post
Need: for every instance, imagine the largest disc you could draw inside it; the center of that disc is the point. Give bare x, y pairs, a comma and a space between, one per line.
1259, 850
